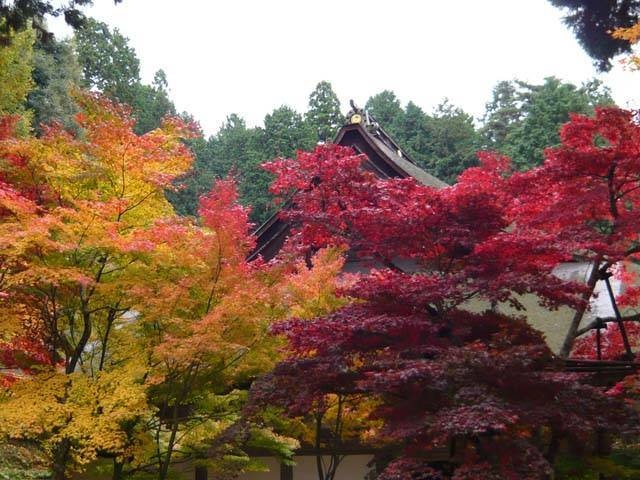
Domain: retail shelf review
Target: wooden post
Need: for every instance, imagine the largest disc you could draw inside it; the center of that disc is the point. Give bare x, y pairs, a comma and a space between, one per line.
623, 331
598, 340
286, 472
201, 473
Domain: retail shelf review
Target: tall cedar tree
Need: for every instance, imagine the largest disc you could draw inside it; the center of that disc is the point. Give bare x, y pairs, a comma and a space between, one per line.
324, 117
523, 119
475, 383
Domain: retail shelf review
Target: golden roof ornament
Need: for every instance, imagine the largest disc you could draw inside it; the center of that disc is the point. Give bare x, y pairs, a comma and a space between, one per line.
355, 115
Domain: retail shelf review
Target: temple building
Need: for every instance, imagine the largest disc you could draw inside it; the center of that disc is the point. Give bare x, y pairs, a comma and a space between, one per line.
385, 158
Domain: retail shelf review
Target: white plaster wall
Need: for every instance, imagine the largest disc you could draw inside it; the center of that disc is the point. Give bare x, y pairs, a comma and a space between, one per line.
273, 474
352, 467
600, 303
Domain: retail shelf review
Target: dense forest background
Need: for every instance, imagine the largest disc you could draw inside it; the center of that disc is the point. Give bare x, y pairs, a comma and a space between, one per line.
520, 119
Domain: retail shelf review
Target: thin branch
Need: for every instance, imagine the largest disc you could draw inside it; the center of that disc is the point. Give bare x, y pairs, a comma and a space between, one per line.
601, 321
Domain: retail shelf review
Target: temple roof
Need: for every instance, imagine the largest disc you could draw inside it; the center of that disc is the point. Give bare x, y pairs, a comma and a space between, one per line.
385, 158
382, 148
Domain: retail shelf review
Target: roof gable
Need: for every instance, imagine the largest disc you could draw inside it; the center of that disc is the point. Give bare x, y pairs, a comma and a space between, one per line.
384, 158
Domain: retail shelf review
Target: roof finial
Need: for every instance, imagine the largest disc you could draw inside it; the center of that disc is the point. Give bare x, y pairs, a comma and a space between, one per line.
355, 114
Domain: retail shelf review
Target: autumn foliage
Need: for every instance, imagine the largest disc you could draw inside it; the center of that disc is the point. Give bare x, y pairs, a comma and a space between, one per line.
481, 386
130, 332
586, 196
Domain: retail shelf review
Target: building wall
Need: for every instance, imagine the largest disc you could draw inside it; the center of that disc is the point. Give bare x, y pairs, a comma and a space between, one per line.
352, 467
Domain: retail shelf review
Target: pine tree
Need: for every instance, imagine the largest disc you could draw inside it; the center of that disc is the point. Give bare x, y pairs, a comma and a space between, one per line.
324, 116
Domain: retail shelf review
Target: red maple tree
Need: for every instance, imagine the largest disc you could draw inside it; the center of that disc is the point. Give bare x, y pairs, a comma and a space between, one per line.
586, 197
477, 383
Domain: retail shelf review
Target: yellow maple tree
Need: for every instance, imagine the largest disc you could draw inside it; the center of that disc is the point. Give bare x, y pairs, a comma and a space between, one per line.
136, 332
632, 35
69, 247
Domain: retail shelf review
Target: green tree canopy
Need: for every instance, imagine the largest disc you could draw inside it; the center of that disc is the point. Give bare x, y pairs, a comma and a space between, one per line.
385, 107
502, 113
324, 116
108, 62
56, 73
16, 15
110, 65
523, 119
285, 132
151, 103
452, 142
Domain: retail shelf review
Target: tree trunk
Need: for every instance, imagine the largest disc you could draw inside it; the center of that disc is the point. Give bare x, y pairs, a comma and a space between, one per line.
567, 345
201, 473
164, 468
118, 470
319, 467
60, 459
554, 446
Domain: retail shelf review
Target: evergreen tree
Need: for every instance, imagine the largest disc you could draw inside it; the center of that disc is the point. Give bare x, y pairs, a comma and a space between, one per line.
108, 62
198, 181
410, 131
443, 143
56, 74
110, 65
523, 119
16, 15
285, 132
238, 151
452, 142
502, 114
324, 116
384, 107
592, 22
151, 103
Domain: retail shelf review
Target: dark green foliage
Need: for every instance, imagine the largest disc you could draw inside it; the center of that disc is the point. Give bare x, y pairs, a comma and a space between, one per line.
501, 115
198, 181
592, 22
17, 14
215, 157
56, 73
443, 143
324, 117
284, 133
151, 103
108, 62
239, 151
523, 119
384, 107
520, 121
453, 142
110, 65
